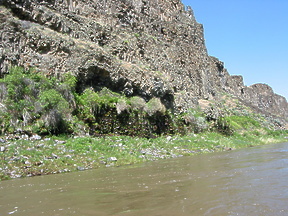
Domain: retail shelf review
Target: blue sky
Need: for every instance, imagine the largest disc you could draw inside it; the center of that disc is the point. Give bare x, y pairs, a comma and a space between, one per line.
249, 36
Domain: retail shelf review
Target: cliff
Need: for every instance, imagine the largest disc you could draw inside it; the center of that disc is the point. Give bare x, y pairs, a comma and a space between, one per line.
147, 48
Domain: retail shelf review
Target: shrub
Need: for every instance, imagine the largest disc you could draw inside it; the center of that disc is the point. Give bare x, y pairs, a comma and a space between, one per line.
87, 105
224, 126
29, 97
138, 104
98, 109
195, 120
55, 111
20, 96
155, 106
107, 98
122, 106
52, 99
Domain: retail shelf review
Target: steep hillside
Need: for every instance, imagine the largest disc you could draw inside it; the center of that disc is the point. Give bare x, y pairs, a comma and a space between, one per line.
148, 48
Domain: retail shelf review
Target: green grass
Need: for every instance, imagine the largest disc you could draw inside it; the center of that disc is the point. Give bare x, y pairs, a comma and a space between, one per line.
63, 154
242, 122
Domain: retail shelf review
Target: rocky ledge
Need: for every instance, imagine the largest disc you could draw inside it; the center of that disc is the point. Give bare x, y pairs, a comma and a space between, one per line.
147, 48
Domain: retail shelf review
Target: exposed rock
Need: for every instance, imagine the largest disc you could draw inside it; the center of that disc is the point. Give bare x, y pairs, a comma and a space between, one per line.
2, 148
263, 97
142, 48
168, 138
60, 142
35, 137
68, 156
80, 168
112, 159
27, 162
54, 156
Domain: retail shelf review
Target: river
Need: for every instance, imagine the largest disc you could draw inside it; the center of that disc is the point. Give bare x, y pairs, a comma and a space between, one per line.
251, 181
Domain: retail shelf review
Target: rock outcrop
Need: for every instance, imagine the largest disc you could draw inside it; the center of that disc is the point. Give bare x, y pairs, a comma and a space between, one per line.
262, 97
148, 48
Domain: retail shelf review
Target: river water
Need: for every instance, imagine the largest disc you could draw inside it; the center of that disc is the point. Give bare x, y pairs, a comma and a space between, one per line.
251, 181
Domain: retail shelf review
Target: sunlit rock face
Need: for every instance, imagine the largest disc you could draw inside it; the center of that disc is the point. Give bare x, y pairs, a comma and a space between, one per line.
148, 48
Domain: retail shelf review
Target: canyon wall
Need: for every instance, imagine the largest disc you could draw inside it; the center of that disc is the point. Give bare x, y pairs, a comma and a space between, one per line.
146, 48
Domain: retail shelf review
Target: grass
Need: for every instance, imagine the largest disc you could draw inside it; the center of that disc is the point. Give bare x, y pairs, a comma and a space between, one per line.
66, 154
35, 104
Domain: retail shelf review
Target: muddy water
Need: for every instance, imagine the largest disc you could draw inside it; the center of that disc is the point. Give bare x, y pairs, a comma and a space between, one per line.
251, 181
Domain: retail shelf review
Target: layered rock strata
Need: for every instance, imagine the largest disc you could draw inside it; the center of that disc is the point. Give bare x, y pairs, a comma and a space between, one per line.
148, 48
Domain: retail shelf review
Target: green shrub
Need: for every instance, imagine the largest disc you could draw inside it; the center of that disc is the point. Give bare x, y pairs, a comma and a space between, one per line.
21, 96
87, 104
28, 98
107, 98
224, 126
55, 111
52, 99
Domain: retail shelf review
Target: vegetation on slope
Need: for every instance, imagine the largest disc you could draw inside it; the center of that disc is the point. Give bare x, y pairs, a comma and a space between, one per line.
34, 103
119, 128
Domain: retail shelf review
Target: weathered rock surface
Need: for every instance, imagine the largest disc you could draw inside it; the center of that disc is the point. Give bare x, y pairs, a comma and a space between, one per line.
263, 97
149, 48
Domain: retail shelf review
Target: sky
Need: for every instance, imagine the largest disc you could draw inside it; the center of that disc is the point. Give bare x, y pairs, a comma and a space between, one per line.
249, 36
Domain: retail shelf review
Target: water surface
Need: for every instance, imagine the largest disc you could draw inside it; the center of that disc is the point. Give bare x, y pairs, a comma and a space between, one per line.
251, 181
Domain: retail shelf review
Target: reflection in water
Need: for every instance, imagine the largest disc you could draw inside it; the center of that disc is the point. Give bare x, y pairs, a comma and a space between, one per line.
244, 182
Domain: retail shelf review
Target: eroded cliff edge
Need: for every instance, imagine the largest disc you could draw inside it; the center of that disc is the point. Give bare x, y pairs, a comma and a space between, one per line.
148, 48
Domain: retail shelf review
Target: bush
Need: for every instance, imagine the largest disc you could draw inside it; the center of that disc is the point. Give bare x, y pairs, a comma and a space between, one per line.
195, 120
99, 109
122, 106
155, 106
55, 112
28, 97
138, 104
224, 126
20, 96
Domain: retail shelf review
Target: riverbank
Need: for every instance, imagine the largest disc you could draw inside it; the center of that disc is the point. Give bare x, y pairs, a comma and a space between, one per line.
41, 156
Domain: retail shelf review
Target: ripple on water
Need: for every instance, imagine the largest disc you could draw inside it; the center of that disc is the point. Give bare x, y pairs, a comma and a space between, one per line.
251, 181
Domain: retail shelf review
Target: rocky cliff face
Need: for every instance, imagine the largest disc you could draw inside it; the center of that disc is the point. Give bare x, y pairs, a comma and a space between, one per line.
148, 48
